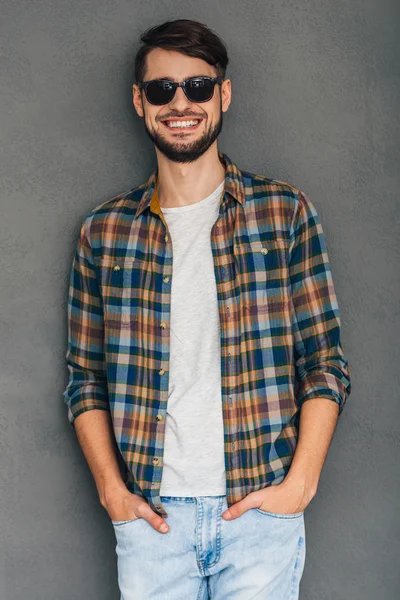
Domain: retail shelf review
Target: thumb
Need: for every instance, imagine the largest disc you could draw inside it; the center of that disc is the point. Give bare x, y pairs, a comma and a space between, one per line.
155, 520
240, 507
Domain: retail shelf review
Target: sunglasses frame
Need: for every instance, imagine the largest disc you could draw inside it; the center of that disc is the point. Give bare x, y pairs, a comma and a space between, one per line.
182, 84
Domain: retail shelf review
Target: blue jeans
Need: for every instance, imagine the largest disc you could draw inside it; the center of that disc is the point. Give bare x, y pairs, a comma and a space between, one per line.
257, 555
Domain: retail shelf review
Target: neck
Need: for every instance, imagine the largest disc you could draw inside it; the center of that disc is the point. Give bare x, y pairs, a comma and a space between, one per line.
181, 184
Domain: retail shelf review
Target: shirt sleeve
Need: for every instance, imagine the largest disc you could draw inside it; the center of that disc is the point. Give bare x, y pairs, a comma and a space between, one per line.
87, 384
321, 368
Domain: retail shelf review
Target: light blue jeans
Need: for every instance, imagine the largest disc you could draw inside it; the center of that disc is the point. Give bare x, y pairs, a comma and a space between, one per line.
257, 555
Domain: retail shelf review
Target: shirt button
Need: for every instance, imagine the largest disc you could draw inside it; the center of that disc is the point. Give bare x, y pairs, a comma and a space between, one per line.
163, 324
159, 417
116, 268
166, 238
166, 279
161, 372
155, 461
264, 250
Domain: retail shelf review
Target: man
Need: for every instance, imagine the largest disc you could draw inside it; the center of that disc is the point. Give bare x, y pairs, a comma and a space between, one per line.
204, 339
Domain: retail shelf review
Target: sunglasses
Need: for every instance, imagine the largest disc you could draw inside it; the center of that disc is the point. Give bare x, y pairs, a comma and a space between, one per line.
196, 89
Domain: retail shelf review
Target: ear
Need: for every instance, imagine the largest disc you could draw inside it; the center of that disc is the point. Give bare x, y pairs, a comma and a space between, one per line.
226, 94
137, 100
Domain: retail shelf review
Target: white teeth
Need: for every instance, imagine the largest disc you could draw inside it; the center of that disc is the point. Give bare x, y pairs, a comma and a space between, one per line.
182, 123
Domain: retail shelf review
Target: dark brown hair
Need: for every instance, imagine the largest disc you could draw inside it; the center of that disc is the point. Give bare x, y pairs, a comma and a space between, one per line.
183, 35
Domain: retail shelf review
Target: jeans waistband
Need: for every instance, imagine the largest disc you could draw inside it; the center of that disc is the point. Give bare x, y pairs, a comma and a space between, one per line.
188, 498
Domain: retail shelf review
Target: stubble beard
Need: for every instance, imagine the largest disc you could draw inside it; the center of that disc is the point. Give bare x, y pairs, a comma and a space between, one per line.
182, 151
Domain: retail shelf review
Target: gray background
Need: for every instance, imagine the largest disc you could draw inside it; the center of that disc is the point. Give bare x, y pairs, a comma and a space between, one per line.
316, 103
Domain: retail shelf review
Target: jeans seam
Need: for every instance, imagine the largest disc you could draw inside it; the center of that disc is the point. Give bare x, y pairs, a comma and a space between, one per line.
201, 588
218, 547
199, 523
296, 567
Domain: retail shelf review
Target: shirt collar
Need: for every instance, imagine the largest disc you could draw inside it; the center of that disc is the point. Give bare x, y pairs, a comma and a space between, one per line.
233, 185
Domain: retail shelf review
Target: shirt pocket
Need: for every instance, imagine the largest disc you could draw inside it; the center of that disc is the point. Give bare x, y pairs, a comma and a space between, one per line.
121, 283
261, 268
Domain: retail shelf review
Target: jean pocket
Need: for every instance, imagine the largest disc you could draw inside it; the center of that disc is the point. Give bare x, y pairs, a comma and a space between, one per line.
119, 523
280, 515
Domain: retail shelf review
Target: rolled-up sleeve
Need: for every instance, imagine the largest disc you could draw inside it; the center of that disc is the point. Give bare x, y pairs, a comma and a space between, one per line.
87, 384
321, 368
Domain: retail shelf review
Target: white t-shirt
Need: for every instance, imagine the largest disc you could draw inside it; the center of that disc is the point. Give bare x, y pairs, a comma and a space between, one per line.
193, 462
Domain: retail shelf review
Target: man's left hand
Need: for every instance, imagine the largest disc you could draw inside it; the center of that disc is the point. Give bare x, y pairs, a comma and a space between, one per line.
287, 497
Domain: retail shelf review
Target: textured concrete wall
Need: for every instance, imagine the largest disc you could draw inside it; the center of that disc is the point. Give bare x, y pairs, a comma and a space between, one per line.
315, 102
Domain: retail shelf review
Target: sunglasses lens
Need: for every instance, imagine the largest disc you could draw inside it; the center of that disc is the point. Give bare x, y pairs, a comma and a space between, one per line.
159, 92
199, 90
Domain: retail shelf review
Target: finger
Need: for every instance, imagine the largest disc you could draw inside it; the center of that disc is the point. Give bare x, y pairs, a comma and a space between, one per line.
157, 522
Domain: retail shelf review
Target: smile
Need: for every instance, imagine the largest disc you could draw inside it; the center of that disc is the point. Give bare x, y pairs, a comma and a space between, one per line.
184, 125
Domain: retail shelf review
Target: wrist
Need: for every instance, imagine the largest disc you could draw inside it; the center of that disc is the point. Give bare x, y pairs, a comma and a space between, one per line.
304, 472
108, 490
301, 486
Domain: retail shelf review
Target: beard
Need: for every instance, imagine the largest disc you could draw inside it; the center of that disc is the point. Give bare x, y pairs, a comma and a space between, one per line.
182, 151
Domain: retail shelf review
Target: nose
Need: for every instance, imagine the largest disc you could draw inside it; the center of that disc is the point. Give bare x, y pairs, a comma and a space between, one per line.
180, 101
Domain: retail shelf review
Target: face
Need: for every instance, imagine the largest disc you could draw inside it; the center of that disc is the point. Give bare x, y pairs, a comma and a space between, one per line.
181, 145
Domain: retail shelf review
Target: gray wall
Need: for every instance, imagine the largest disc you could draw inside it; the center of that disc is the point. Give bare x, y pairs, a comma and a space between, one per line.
316, 103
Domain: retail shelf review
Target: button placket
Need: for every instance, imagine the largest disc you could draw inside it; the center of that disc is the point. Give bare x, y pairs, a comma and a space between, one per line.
159, 417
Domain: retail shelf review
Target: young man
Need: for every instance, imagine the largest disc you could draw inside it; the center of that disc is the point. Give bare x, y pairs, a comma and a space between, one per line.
204, 339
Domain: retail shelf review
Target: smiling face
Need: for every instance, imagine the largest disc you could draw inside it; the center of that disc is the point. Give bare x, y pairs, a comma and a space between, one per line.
181, 144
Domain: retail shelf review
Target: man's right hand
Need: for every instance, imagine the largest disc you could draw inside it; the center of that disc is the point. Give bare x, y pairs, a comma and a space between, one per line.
123, 505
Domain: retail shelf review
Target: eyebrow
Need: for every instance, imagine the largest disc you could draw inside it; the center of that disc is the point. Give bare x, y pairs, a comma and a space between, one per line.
189, 77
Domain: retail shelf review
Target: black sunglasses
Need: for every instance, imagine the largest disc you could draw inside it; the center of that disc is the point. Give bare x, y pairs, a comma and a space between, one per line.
197, 89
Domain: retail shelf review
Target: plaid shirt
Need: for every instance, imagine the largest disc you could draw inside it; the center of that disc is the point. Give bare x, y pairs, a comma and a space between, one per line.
279, 327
